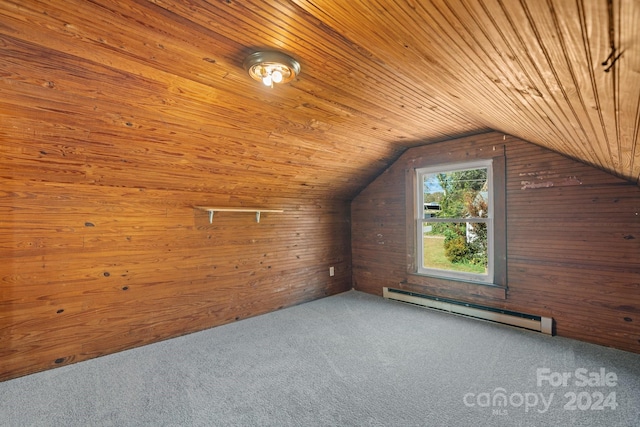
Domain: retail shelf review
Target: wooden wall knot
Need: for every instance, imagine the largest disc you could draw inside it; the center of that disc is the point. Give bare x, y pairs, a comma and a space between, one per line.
611, 59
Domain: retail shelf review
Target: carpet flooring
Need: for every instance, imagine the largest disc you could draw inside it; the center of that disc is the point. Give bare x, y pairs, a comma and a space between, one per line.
348, 360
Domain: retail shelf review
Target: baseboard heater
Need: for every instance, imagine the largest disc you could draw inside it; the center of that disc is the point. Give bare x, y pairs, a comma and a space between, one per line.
521, 320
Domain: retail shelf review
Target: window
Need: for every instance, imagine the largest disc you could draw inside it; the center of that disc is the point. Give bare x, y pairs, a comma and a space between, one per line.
455, 222
459, 222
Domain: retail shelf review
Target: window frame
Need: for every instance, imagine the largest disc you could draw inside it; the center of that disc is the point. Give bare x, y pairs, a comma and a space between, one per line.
497, 288
418, 196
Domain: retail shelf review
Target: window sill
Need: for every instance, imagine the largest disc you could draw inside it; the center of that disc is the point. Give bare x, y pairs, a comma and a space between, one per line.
457, 288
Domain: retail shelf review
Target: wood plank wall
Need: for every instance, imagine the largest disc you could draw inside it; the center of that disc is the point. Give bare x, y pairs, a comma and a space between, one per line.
573, 240
89, 270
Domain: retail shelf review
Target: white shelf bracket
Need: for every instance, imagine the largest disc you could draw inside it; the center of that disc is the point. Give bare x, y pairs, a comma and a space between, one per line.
258, 211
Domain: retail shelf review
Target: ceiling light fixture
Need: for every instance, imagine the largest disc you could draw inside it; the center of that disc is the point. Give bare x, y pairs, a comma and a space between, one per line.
271, 67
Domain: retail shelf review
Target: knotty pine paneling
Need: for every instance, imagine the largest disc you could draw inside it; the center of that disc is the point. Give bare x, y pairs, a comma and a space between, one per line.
573, 239
88, 270
172, 82
527, 68
378, 77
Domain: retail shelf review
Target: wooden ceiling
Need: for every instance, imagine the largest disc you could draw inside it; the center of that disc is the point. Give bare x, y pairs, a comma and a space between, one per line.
152, 94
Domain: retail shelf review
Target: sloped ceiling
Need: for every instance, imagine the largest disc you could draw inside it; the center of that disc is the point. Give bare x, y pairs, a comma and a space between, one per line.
153, 94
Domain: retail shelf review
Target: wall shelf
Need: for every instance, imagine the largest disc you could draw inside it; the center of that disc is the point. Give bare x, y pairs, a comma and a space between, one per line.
211, 211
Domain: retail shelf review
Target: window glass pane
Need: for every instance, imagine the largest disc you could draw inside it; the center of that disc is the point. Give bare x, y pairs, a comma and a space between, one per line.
456, 194
455, 246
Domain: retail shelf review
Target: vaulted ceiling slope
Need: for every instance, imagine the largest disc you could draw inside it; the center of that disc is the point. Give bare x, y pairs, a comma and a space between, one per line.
158, 85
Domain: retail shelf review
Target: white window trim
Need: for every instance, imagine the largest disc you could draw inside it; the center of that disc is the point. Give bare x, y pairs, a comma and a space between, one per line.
487, 278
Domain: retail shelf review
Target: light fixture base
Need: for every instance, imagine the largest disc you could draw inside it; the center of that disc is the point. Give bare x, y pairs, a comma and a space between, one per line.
271, 67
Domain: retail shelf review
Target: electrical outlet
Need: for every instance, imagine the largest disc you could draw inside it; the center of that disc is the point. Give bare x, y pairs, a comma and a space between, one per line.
331, 271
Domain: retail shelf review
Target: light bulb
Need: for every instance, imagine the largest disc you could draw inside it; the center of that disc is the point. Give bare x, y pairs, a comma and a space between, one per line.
267, 80
276, 76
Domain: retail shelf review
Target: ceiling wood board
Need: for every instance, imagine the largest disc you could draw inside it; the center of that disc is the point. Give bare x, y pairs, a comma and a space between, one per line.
104, 87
